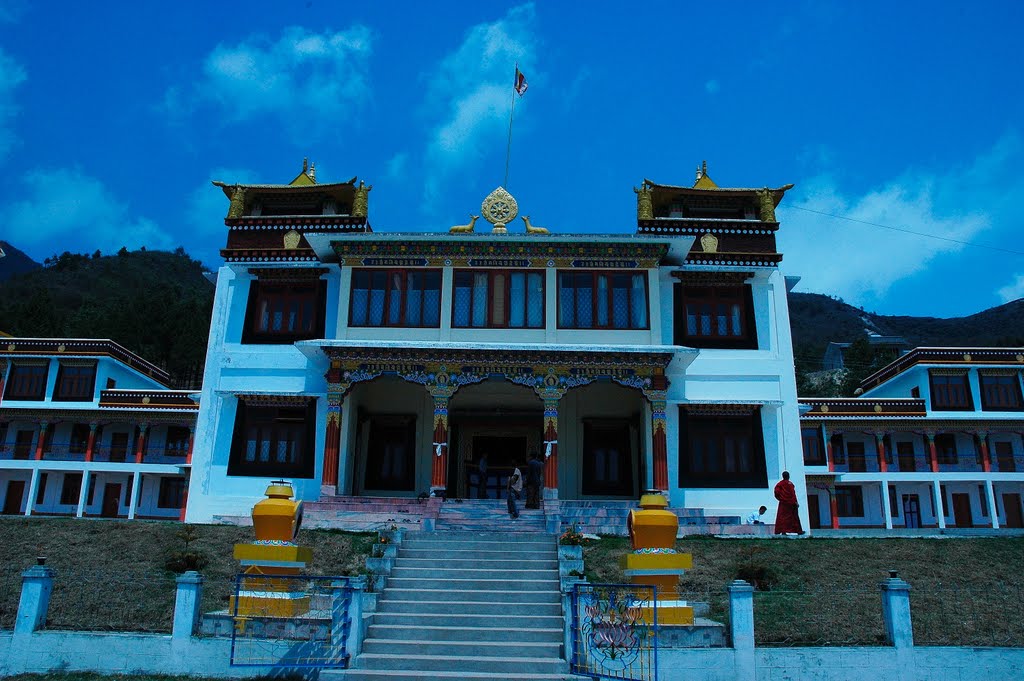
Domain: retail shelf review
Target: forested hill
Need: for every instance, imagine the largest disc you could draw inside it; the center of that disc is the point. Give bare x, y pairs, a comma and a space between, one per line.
818, 319
154, 303
15, 262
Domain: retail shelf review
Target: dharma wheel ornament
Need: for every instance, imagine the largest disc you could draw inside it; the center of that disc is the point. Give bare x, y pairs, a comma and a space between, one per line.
499, 209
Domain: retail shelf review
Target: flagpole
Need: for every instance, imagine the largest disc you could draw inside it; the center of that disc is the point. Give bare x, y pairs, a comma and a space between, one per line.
508, 148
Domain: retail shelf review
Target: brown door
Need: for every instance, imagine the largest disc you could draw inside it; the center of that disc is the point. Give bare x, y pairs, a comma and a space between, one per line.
16, 492
1004, 458
23, 444
111, 500
905, 457
814, 512
1011, 506
911, 511
855, 454
962, 510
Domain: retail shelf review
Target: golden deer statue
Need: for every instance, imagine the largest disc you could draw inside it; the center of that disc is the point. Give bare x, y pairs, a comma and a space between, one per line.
457, 229
530, 229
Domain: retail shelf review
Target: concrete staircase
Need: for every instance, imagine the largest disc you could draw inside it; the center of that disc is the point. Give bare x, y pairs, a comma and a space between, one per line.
480, 515
365, 514
467, 605
609, 517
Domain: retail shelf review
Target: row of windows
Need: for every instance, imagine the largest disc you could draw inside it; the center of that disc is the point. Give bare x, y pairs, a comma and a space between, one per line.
999, 392
27, 381
714, 451
855, 454
706, 316
170, 495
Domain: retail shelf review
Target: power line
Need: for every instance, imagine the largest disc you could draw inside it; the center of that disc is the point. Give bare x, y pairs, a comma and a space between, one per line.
909, 231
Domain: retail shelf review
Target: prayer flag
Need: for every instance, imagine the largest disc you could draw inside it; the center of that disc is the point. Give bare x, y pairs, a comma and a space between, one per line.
520, 84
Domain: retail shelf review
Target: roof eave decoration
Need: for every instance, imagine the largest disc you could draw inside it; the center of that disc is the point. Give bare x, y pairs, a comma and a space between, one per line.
956, 356
776, 193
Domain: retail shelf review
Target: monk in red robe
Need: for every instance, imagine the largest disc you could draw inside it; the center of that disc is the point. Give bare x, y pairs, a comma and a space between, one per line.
787, 521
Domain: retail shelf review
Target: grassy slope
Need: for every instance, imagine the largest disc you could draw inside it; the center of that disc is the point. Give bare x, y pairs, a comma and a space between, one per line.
94, 558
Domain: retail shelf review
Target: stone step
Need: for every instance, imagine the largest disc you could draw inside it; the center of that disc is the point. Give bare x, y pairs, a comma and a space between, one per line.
529, 548
458, 631
507, 623
526, 650
470, 536
497, 573
413, 675
469, 582
495, 609
492, 665
456, 562
494, 596
442, 554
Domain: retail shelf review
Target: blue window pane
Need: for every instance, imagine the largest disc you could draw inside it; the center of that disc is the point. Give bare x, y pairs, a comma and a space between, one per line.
395, 299
517, 300
602, 300
414, 300
463, 299
584, 301
535, 300
480, 300
566, 302
638, 307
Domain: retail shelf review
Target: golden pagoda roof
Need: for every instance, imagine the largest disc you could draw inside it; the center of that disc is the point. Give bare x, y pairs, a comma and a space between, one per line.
705, 184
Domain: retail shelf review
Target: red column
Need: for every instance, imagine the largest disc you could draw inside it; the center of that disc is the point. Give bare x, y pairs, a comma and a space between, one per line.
660, 453
551, 444
834, 510
43, 427
829, 453
332, 442
933, 456
3, 373
439, 447
986, 461
880, 447
91, 444
191, 446
140, 443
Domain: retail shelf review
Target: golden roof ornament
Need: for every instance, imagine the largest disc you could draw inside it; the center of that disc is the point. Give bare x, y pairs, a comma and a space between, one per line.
644, 208
237, 207
499, 209
360, 204
464, 229
767, 205
530, 229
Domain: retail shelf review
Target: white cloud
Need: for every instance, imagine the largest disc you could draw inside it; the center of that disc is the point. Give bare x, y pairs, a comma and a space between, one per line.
470, 90
309, 80
11, 76
65, 210
396, 165
861, 262
1013, 290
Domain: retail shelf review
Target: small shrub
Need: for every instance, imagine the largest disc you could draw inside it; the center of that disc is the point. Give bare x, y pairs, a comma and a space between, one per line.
573, 537
187, 558
751, 568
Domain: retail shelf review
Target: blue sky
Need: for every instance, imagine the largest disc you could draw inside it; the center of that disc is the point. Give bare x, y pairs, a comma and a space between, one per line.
114, 117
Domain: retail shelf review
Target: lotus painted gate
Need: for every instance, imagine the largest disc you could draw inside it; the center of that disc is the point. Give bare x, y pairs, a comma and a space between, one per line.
614, 631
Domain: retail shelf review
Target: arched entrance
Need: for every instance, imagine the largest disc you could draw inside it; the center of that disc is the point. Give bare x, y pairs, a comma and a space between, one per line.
497, 418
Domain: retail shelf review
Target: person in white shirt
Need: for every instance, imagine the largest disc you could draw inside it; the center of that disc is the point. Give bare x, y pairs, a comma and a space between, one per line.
755, 517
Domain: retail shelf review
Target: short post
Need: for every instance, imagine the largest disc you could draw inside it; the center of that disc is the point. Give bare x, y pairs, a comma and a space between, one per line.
896, 611
354, 640
568, 607
187, 601
36, 587
741, 624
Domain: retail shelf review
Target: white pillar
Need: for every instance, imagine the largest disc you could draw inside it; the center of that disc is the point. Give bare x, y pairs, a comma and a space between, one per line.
36, 587
991, 499
741, 622
886, 510
896, 612
187, 599
133, 503
937, 496
82, 494
33, 485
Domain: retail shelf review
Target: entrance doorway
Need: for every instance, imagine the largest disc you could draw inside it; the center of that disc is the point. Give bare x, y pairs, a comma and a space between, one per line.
813, 512
111, 500
1011, 506
962, 510
503, 453
15, 495
911, 511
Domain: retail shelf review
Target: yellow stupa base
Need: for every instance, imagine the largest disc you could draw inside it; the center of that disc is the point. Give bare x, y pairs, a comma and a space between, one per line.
280, 604
669, 613
270, 554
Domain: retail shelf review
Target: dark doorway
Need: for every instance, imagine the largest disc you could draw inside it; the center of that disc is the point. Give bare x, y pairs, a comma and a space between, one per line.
15, 495
111, 500
855, 455
813, 512
391, 454
1004, 458
502, 453
911, 511
23, 444
905, 457
962, 510
607, 458
1011, 506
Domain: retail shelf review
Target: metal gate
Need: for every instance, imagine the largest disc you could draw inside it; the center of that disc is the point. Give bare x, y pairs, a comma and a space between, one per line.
291, 621
614, 631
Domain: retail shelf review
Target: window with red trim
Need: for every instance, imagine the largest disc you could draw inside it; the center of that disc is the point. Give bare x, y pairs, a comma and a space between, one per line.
498, 299
951, 392
400, 298
1000, 393
273, 440
27, 382
721, 451
602, 300
715, 316
814, 446
172, 493
945, 448
75, 383
284, 312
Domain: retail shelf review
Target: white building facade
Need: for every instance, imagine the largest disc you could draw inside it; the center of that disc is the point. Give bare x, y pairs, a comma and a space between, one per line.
358, 363
935, 441
89, 429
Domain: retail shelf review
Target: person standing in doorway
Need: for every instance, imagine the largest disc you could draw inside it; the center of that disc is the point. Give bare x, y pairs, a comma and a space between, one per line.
534, 480
481, 476
515, 488
787, 520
